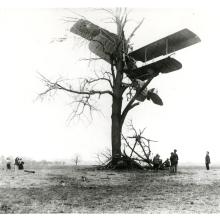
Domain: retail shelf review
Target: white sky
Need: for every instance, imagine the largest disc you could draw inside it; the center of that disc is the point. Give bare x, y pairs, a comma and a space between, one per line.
188, 121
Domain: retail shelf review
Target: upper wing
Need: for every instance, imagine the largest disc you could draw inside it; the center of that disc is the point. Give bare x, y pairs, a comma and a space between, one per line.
167, 45
162, 66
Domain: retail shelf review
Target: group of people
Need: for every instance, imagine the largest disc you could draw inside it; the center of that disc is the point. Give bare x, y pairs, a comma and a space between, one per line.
19, 163
171, 163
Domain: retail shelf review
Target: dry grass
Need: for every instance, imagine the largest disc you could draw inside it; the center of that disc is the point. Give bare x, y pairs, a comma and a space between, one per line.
61, 190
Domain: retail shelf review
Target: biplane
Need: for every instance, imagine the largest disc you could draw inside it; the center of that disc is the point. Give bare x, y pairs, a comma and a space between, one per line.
104, 44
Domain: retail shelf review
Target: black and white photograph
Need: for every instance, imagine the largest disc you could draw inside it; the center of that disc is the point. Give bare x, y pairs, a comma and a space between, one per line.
109, 110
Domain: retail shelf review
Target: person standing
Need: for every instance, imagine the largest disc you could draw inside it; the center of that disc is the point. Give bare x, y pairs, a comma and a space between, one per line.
156, 162
207, 160
175, 160
171, 162
8, 163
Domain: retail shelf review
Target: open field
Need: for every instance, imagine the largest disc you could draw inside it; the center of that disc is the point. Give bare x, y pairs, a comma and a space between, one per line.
62, 190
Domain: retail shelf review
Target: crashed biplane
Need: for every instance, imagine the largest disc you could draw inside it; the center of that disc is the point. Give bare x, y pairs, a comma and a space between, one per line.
104, 44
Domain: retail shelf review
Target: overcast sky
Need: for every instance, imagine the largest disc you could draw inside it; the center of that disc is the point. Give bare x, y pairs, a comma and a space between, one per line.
189, 120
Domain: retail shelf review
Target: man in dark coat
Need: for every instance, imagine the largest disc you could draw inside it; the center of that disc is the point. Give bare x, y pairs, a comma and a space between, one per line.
171, 162
156, 162
207, 160
175, 160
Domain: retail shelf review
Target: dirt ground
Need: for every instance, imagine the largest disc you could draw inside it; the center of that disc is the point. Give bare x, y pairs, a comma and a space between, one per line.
62, 190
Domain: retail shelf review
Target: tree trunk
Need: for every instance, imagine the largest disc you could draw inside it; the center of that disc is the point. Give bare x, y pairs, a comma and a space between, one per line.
116, 113
117, 98
116, 129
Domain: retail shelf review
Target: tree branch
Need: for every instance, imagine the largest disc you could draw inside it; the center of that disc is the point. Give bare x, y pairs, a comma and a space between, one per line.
132, 149
57, 86
130, 104
83, 97
147, 156
133, 32
94, 80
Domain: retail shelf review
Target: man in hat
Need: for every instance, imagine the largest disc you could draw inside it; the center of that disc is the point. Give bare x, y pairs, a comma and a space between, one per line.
175, 161
156, 162
171, 162
207, 160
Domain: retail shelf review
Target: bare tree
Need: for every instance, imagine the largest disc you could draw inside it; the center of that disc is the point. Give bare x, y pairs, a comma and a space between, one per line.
119, 87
